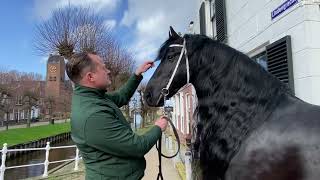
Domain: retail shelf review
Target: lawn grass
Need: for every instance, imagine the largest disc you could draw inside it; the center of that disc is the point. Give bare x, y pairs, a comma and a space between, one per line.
24, 135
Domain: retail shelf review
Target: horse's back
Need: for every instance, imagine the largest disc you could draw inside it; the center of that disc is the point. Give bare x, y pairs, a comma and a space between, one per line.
286, 147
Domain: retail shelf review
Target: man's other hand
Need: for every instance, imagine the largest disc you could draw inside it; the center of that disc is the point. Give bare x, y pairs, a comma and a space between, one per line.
144, 67
162, 123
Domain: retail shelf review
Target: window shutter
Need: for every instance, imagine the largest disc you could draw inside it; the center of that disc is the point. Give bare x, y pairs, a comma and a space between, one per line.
221, 23
202, 15
279, 60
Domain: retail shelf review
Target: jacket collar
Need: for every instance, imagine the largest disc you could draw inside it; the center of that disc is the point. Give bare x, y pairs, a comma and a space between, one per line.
88, 91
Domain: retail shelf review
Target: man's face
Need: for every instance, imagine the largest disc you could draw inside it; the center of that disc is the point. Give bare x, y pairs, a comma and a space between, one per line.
101, 75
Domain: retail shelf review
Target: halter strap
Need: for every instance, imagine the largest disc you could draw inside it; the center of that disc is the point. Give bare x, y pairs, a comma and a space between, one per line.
183, 51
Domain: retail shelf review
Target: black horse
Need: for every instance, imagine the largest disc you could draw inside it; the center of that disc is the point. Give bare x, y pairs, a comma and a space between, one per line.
249, 124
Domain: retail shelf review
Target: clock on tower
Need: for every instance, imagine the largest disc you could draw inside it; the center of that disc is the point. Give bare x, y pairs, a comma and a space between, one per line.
55, 75
52, 68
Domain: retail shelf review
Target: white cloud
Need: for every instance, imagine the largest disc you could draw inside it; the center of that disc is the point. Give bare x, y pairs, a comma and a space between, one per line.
150, 21
111, 23
43, 8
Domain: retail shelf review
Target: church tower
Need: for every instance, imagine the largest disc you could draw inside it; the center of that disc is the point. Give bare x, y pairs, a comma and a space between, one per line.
55, 76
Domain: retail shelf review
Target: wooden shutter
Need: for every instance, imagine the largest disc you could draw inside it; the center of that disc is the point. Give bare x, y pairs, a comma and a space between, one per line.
221, 23
202, 14
279, 60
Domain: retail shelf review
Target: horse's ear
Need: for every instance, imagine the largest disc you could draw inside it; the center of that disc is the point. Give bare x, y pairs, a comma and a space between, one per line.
172, 33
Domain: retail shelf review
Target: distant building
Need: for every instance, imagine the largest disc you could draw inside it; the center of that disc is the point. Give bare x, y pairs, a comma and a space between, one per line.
55, 78
19, 112
55, 86
184, 104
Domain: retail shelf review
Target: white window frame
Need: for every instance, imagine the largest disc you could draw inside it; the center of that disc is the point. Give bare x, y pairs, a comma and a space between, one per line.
12, 115
213, 20
188, 107
182, 111
174, 111
177, 104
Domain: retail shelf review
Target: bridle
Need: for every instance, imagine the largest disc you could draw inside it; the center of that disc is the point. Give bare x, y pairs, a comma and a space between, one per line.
164, 94
165, 91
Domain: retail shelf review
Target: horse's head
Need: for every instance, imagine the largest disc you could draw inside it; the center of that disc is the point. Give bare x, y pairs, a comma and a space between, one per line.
166, 74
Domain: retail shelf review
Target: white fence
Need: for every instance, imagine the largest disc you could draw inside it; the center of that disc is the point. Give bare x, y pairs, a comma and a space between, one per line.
46, 163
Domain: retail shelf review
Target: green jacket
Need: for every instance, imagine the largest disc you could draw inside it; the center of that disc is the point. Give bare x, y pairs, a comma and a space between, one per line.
110, 149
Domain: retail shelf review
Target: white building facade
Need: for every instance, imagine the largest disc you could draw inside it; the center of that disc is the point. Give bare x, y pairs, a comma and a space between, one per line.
184, 104
281, 35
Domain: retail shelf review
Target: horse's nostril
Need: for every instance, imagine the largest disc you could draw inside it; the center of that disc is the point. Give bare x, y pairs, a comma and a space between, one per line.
148, 95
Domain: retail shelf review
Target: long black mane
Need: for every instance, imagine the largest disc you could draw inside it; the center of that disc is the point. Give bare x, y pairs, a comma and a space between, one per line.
235, 96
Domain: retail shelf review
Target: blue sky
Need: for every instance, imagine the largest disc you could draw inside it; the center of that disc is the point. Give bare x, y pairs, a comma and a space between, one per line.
141, 26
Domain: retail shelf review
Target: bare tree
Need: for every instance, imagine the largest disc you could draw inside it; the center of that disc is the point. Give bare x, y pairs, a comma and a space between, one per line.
7, 77
65, 103
6, 104
30, 99
80, 29
71, 29
147, 112
50, 104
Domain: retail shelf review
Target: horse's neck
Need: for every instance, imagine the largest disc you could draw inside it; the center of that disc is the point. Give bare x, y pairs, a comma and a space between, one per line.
227, 117
232, 107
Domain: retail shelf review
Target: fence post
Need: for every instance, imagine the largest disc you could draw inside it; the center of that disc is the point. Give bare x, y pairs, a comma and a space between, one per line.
76, 166
187, 164
3, 164
46, 162
188, 160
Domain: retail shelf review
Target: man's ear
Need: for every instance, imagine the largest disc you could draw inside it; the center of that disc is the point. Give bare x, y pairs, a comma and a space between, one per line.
89, 76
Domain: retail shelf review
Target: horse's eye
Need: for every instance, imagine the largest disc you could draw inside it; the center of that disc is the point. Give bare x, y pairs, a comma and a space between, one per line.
170, 57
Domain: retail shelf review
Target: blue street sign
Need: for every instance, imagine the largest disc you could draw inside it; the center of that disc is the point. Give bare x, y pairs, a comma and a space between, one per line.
282, 8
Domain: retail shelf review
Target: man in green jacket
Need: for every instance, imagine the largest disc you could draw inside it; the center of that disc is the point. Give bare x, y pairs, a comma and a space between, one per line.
110, 149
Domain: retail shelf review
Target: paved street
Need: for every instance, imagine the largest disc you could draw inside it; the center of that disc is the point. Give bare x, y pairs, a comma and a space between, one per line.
2, 128
168, 170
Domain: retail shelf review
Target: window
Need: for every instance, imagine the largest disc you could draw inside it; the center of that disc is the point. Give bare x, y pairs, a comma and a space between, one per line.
174, 111
52, 78
19, 100
177, 105
182, 111
213, 20
218, 20
16, 115
22, 115
188, 107
261, 59
279, 60
12, 115
202, 14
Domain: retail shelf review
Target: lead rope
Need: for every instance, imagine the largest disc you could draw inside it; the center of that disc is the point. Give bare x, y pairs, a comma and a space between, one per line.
165, 92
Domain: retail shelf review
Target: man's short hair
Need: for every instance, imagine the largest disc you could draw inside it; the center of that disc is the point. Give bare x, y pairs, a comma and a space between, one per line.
78, 65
